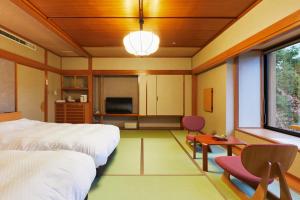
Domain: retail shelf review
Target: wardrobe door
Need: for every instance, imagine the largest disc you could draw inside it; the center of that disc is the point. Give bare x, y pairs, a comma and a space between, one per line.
31, 92
151, 95
170, 95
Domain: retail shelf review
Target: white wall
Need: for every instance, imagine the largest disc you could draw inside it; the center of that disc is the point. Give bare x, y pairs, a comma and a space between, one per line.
249, 90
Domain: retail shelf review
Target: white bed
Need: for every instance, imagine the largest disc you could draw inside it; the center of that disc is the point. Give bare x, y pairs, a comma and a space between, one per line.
45, 175
96, 140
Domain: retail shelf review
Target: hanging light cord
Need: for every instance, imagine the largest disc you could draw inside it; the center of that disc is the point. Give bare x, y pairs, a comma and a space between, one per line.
141, 14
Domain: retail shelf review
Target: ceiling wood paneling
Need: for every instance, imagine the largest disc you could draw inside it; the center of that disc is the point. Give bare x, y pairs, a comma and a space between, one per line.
110, 32
179, 23
152, 8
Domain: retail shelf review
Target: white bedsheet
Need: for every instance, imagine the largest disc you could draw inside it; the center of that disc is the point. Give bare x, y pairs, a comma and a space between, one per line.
96, 140
45, 175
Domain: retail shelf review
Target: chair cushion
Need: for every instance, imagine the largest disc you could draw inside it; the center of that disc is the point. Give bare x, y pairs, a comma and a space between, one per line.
233, 165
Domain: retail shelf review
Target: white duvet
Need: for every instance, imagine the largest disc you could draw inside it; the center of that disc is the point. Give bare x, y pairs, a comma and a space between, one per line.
45, 175
96, 140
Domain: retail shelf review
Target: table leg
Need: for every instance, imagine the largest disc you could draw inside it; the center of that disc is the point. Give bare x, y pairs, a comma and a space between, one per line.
229, 150
194, 149
204, 157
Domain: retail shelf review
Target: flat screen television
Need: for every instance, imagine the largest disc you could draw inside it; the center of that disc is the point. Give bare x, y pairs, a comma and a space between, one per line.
118, 105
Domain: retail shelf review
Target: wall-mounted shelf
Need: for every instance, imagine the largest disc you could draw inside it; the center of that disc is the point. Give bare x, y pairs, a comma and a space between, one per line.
119, 115
77, 89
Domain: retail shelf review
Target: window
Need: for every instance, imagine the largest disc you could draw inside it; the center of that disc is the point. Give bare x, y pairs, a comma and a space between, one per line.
282, 88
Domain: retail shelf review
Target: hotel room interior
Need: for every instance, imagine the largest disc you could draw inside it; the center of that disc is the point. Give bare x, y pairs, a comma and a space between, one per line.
149, 99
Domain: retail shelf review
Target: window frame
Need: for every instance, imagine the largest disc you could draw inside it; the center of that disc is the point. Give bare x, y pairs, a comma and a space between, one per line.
266, 87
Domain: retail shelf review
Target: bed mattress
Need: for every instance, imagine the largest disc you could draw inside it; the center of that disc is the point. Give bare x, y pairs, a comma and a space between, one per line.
96, 140
45, 175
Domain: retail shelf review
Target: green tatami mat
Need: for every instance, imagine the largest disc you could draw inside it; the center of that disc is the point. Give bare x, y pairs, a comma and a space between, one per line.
145, 134
154, 188
126, 160
165, 157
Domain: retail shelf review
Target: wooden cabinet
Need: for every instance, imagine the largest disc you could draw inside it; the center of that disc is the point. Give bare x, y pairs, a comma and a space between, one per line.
74, 113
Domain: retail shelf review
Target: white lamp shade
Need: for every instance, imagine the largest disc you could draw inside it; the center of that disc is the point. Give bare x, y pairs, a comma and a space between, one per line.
141, 43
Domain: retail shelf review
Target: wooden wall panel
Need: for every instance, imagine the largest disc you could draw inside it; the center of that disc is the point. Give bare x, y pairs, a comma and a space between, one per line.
7, 86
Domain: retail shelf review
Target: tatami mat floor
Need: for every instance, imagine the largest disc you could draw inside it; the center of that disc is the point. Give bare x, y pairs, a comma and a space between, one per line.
157, 165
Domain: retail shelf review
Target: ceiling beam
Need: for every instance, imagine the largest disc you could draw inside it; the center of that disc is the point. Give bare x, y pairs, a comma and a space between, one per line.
38, 15
136, 17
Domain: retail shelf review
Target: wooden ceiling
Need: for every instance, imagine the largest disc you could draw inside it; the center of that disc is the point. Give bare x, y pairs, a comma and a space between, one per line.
179, 23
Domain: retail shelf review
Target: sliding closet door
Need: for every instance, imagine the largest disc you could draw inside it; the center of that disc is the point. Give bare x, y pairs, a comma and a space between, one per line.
170, 95
151, 95
7, 86
54, 87
31, 92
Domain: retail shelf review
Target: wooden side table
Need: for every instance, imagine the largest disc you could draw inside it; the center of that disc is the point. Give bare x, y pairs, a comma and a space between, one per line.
207, 140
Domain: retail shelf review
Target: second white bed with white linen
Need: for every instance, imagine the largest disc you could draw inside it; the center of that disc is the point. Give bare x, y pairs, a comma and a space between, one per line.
45, 175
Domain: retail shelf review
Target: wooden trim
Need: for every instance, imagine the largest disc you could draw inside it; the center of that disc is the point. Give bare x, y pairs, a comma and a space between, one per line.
90, 89
46, 97
16, 87
33, 11
10, 116
183, 96
288, 23
142, 167
194, 94
28, 62
236, 91
262, 88
75, 72
230, 24
142, 72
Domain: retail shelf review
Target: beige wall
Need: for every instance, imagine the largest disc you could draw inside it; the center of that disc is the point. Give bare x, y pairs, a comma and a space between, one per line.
295, 170
30, 92
126, 86
141, 63
13, 47
53, 60
74, 63
54, 93
7, 86
217, 120
260, 17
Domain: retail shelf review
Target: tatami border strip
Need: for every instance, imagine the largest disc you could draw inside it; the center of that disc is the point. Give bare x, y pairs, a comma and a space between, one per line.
142, 169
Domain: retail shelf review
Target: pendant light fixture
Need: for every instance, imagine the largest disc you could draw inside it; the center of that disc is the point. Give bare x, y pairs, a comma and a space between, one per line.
141, 43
